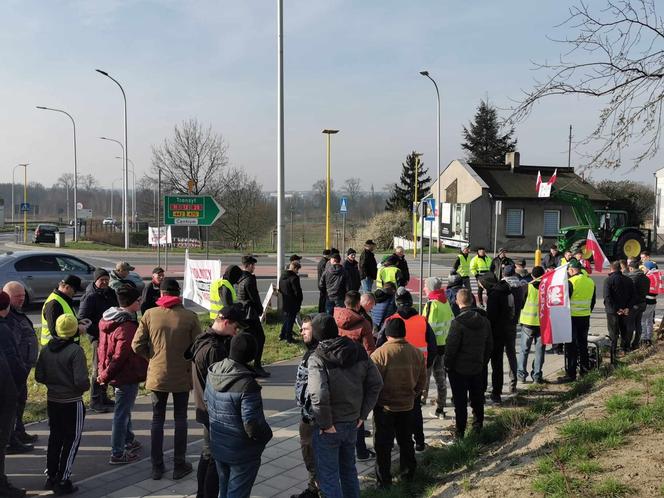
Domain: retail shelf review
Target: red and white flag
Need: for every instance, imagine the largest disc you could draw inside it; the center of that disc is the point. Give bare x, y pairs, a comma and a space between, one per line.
554, 177
601, 261
544, 189
538, 183
554, 311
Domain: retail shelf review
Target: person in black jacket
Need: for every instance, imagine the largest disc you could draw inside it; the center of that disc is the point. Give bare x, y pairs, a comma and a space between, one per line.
322, 295
334, 283
10, 366
352, 271
402, 264
619, 297
368, 266
211, 347
500, 262
247, 295
151, 291
291, 300
552, 260
98, 298
641, 288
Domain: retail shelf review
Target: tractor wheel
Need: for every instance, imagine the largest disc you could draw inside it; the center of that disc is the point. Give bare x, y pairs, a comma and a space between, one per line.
630, 245
581, 245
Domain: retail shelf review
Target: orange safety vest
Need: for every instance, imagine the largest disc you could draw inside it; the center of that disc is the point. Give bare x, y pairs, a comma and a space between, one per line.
416, 332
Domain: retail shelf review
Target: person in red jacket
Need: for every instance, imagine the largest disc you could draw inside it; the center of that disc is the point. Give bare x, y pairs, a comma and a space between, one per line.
123, 369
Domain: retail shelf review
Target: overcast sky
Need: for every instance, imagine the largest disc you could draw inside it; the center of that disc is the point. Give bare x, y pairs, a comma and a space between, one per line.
351, 65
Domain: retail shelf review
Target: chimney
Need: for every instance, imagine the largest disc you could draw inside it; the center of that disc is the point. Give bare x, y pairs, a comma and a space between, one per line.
513, 159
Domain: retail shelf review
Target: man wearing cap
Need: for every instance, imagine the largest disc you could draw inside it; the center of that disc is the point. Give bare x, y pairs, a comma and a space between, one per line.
368, 266
97, 299
290, 292
150, 292
222, 290
120, 274
28, 348
389, 272
247, 294
164, 334
462, 266
62, 367
60, 301
295, 257
500, 262
320, 269
479, 265
352, 271
344, 385
123, 369
238, 429
210, 347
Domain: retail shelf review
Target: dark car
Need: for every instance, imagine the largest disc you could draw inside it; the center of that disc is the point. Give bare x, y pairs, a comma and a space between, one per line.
45, 232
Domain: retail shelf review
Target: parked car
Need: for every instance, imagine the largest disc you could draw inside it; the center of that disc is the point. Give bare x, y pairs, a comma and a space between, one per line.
45, 232
40, 272
109, 221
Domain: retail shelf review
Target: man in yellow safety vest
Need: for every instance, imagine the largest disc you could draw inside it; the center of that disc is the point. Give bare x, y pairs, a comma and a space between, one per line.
479, 265
530, 332
222, 290
389, 272
462, 266
58, 302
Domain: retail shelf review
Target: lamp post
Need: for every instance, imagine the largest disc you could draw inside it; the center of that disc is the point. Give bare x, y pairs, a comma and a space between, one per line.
75, 168
25, 198
280, 138
438, 203
13, 172
329, 133
417, 170
112, 190
133, 192
125, 176
125, 153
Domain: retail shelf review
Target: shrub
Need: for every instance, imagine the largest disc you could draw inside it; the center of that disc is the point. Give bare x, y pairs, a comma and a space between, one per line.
383, 227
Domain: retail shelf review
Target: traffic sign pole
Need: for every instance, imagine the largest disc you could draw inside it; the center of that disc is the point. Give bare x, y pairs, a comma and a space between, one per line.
343, 233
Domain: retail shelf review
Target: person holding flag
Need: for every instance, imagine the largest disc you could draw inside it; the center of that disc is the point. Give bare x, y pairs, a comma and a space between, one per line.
582, 302
554, 307
530, 331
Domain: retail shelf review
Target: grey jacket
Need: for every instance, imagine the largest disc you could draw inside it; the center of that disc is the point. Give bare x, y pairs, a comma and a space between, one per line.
344, 383
64, 370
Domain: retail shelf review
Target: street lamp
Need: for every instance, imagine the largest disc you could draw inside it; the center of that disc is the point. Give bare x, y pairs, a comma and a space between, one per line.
25, 195
438, 203
329, 133
125, 153
125, 176
41, 107
133, 192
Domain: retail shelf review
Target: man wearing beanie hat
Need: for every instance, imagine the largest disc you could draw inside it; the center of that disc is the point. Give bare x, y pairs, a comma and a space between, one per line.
164, 334
352, 271
13, 372
150, 292
60, 301
123, 369
334, 281
344, 385
420, 335
238, 429
97, 299
63, 368
368, 266
404, 374
438, 313
530, 331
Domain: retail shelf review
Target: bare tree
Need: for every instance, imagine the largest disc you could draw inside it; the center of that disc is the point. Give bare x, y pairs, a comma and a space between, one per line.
615, 53
65, 181
88, 182
352, 189
194, 154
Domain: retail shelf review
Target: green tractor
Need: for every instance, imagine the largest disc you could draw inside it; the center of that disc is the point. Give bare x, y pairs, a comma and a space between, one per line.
610, 226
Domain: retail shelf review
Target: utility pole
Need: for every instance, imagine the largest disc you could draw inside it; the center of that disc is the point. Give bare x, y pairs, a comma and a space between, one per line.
280, 138
569, 148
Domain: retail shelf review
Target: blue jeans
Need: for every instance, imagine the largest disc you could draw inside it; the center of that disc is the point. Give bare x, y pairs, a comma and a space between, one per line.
335, 461
367, 284
125, 396
236, 480
287, 327
528, 336
330, 304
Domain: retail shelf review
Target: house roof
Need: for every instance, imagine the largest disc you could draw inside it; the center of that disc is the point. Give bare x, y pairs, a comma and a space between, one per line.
520, 183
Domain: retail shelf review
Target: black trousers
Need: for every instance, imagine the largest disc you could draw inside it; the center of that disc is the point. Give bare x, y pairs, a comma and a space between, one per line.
65, 421
322, 301
497, 364
256, 329
21, 399
207, 476
634, 324
463, 387
8, 398
98, 393
617, 325
418, 422
180, 401
578, 348
386, 426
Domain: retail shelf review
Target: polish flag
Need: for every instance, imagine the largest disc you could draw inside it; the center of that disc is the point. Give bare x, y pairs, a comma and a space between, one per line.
539, 182
554, 177
601, 261
554, 307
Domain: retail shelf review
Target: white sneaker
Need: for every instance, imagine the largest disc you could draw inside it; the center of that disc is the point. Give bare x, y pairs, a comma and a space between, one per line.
437, 413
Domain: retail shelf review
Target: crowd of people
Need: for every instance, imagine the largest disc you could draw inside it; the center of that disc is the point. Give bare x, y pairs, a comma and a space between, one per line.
368, 350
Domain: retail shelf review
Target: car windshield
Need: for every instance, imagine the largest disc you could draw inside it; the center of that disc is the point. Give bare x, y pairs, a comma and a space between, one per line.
48, 227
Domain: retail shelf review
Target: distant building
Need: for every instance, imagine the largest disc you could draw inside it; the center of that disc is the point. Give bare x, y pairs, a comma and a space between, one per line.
659, 204
471, 193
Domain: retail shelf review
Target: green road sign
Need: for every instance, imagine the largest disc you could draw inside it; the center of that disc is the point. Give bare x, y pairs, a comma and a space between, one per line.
196, 210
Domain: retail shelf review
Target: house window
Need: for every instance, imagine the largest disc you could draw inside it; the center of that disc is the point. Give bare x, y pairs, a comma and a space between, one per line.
514, 223
551, 222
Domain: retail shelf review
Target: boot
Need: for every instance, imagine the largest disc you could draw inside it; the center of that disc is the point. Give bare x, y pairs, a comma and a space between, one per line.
8, 490
260, 371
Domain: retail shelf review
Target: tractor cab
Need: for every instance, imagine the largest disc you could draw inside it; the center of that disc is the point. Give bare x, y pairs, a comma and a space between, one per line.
609, 222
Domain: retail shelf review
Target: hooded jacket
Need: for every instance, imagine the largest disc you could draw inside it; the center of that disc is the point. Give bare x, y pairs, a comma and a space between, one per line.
344, 383
52, 310
320, 269
385, 306
301, 384
406, 312
618, 292
290, 291
352, 275
118, 364
404, 276
451, 293
63, 368
469, 343
334, 283
641, 286
208, 349
352, 325
238, 429
368, 265
164, 334
93, 304
149, 297
247, 294
500, 312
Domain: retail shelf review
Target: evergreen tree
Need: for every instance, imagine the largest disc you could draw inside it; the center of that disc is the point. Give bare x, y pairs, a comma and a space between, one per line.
483, 141
403, 193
